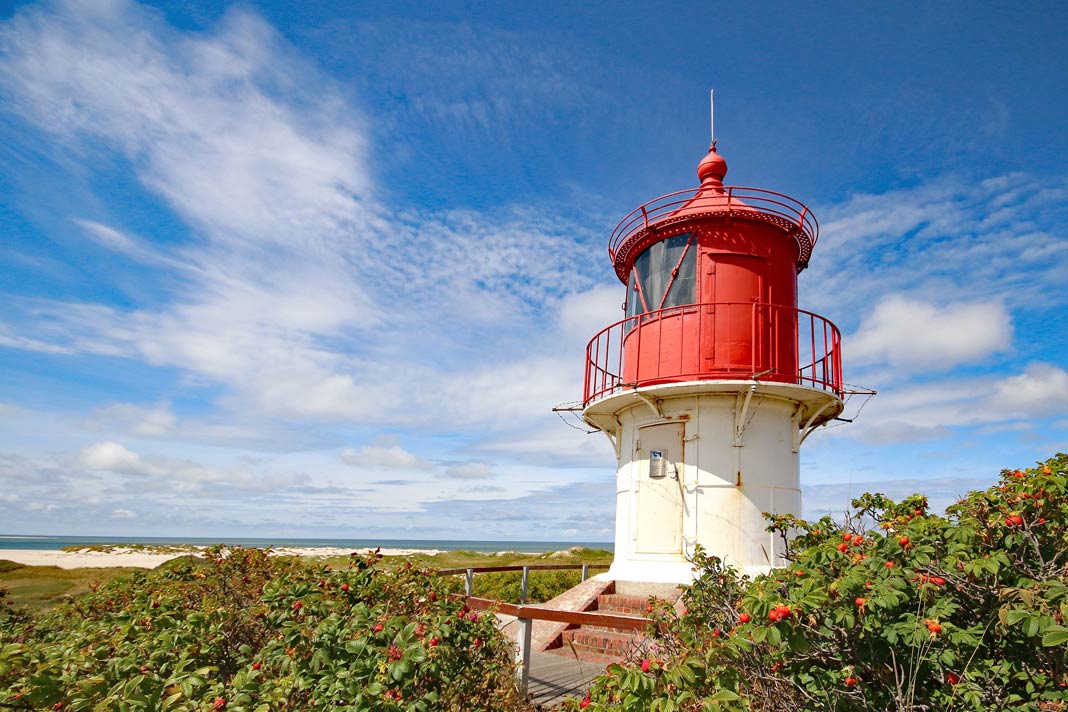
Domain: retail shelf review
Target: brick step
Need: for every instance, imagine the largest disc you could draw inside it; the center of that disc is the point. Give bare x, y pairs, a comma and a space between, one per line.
610, 628
609, 644
620, 603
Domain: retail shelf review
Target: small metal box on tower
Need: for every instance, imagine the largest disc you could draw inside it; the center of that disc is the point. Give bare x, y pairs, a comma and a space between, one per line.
713, 379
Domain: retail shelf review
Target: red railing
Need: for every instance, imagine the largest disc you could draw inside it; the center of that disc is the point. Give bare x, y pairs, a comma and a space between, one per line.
732, 201
715, 341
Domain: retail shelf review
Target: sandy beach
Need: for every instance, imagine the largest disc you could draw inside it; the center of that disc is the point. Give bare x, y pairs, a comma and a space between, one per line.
141, 559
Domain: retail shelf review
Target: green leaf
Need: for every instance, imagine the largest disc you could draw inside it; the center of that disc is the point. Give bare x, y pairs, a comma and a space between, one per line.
1015, 616
1055, 635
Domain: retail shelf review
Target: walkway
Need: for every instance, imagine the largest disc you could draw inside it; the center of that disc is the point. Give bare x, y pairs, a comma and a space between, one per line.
556, 677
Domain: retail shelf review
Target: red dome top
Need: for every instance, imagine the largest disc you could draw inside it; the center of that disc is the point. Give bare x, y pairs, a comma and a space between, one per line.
712, 166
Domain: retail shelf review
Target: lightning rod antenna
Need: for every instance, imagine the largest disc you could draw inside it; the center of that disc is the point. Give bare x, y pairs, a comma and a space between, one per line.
712, 115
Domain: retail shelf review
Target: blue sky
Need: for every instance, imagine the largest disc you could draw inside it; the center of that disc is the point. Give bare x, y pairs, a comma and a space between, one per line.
322, 269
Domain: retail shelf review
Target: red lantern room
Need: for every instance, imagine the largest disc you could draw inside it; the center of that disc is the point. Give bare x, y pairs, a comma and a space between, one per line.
711, 276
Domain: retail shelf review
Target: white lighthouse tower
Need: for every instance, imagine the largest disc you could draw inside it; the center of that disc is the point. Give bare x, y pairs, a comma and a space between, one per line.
713, 380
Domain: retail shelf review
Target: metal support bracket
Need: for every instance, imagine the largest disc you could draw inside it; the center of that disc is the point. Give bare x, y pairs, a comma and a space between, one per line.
809, 427
653, 403
613, 436
741, 409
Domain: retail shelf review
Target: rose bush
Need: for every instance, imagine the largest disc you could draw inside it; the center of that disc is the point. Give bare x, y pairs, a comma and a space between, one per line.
246, 632
894, 609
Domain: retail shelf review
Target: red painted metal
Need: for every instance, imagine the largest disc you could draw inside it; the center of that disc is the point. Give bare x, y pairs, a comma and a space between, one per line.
711, 203
715, 341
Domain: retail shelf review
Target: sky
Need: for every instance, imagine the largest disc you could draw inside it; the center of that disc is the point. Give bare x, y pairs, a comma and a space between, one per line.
323, 269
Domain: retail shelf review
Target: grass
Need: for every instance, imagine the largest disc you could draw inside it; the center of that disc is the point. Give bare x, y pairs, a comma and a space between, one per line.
39, 588
42, 587
138, 548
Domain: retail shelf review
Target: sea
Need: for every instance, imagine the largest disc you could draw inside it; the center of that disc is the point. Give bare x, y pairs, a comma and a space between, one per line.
16, 541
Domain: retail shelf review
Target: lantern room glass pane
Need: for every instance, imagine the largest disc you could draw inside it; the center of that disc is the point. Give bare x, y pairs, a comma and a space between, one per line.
634, 299
683, 289
653, 270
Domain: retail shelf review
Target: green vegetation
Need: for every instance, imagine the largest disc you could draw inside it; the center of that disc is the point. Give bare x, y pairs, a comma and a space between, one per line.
138, 548
897, 609
247, 632
42, 587
504, 586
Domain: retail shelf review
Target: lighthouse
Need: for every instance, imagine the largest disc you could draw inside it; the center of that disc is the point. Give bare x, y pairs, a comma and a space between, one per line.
714, 377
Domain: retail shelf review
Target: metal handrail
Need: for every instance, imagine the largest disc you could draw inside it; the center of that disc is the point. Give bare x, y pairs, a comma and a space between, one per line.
470, 571
817, 346
736, 201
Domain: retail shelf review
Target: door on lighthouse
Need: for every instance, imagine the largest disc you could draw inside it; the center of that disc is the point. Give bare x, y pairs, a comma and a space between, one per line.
733, 331
658, 489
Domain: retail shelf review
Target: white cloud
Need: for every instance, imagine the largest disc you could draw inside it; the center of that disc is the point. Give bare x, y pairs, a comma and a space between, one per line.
155, 421
179, 474
281, 294
583, 314
914, 335
112, 457
123, 514
1040, 390
930, 410
384, 456
472, 470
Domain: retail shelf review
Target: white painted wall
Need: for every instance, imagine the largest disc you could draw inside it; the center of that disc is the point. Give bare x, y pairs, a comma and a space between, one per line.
725, 489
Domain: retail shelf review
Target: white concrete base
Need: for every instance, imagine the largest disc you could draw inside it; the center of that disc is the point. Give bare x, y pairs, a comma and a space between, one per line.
699, 465
674, 572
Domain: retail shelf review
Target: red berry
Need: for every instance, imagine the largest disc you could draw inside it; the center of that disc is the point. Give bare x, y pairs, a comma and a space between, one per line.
860, 601
646, 664
847, 537
378, 627
585, 703
433, 642
774, 615
743, 618
952, 678
432, 596
850, 681
472, 616
297, 606
219, 703
890, 564
344, 587
843, 547
716, 633
257, 666
903, 541
935, 627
